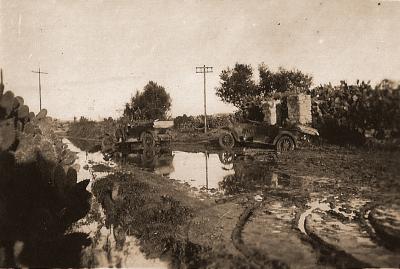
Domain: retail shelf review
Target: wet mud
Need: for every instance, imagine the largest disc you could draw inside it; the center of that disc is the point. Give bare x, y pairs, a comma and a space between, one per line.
260, 211
251, 208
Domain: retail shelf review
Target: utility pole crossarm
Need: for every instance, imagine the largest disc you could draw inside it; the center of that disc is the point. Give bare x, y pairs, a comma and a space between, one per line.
37, 72
204, 69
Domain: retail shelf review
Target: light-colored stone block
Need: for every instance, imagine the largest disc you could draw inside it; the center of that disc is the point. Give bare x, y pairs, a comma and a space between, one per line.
299, 108
269, 110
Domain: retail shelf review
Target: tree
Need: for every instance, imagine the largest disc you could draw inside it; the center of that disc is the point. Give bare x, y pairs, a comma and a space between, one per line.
283, 81
150, 104
237, 86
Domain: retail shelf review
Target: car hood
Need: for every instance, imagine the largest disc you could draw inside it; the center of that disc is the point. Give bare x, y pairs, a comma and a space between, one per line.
307, 130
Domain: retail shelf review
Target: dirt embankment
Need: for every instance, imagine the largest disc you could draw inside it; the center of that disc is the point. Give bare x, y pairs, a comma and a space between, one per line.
160, 212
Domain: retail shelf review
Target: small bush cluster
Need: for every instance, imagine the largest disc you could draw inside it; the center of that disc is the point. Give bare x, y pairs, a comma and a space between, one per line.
92, 130
192, 123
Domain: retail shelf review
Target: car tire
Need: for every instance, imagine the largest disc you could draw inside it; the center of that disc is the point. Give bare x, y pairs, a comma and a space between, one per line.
148, 155
285, 143
226, 157
226, 140
147, 140
119, 135
108, 144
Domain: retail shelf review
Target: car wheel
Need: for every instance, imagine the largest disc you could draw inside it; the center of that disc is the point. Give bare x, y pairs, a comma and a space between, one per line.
226, 157
226, 140
285, 143
148, 155
119, 135
108, 144
148, 140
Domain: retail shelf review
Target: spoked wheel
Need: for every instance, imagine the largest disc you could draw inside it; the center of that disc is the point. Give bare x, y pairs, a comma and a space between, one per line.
108, 144
226, 157
148, 140
226, 140
120, 135
285, 143
148, 155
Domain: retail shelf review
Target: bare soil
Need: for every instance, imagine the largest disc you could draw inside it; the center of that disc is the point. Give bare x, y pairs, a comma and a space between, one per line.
267, 215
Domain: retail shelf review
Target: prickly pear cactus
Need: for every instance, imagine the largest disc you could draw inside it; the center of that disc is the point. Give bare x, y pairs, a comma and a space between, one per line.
45, 190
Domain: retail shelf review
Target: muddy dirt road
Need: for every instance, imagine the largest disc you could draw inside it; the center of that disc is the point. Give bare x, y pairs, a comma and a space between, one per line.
184, 207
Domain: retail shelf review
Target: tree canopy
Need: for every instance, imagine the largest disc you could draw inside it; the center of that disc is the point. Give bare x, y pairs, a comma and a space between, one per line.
237, 85
283, 81
150, 104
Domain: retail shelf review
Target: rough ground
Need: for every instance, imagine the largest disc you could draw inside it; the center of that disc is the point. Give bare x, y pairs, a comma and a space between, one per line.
294, 211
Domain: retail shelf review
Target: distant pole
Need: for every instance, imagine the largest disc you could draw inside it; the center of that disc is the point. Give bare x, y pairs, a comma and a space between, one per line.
40, 87
204, 69
1, 83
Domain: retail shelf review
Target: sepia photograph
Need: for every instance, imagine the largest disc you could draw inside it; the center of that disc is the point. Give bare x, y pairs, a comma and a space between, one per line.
185, 134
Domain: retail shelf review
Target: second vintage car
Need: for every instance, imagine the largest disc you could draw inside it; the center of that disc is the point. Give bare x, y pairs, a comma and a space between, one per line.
282, 138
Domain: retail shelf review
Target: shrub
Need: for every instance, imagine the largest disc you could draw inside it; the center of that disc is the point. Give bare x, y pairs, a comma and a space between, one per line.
344, 113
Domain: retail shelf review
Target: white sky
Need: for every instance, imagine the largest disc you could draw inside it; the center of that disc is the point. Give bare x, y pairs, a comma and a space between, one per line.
98, 53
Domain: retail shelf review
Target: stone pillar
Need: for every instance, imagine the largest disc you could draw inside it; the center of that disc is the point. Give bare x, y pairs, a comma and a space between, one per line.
269, 110
299, 108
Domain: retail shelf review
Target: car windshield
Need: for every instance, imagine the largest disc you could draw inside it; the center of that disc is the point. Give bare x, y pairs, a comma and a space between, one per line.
254, 113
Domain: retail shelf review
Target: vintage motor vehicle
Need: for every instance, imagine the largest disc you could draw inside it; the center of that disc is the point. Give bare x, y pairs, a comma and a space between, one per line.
282, 138
138, 134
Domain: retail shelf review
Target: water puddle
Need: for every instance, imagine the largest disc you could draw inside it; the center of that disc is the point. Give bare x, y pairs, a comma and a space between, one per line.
351, 239
200, 170
222, 172
311, 207
111, 245
86, 160
334, 222
345, 211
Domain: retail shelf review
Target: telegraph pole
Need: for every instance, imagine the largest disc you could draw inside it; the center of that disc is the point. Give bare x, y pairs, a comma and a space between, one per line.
40, 87
1, 83
204, 69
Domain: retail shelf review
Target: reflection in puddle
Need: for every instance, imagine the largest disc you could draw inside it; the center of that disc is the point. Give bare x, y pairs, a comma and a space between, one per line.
224, 172
200, 170
160, 162
110, 246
